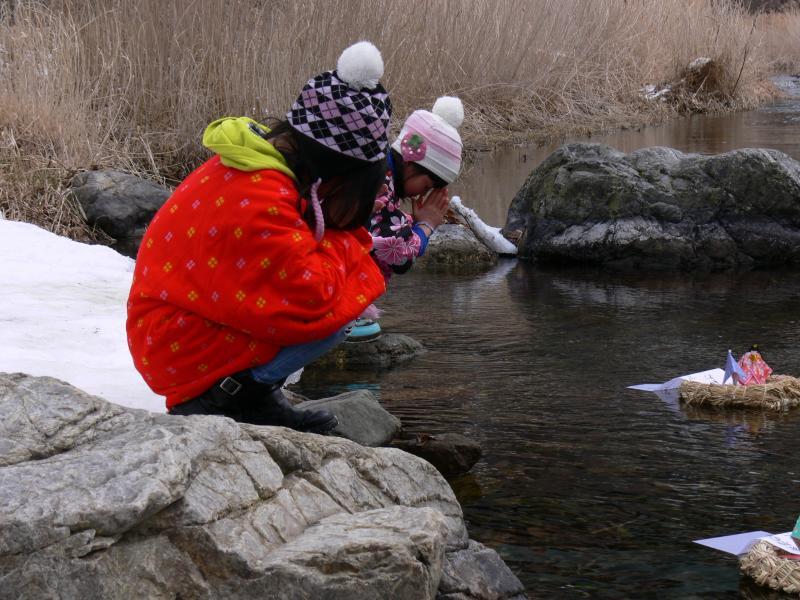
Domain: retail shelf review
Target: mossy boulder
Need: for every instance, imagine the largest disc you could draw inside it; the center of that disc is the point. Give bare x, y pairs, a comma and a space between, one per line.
658, 208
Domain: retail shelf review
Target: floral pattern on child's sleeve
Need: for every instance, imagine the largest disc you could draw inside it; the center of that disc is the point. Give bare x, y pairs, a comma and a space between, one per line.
394, 243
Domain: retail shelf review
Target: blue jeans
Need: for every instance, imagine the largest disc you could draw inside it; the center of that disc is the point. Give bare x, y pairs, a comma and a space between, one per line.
294, 358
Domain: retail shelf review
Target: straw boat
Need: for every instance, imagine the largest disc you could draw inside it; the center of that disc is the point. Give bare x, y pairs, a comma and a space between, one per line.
779, 393
764, 564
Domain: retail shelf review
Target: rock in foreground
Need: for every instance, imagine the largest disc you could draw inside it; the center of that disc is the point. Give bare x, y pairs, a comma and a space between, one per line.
361, 417
658, 208
99, 501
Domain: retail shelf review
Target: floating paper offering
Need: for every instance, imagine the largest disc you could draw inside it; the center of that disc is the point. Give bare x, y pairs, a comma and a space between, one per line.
710, 376
783, 541
732, 370
738, 544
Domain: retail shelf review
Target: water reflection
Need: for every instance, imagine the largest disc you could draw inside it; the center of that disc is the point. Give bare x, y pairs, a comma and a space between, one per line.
587, 488
490, 185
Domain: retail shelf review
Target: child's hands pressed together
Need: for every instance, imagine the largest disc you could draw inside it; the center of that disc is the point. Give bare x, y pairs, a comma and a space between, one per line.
432, 207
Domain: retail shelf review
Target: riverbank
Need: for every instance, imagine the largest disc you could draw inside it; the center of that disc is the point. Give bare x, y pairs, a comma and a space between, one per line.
198, 507
80, 88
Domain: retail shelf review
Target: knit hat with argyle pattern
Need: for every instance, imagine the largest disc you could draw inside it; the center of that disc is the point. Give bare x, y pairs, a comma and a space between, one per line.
347, 110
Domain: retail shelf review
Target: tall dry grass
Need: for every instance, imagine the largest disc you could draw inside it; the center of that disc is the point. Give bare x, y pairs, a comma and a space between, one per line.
131, 84
781, 41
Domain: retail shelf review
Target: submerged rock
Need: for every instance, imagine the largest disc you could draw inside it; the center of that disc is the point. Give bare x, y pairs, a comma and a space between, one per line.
451, 453
387, 350
455, 248
659, 208
101, 501
119, 204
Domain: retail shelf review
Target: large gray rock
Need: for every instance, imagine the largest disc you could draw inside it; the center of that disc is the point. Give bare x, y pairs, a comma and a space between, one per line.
659, 208
98, 501
455, 248
361, 417
393, 552
120, 204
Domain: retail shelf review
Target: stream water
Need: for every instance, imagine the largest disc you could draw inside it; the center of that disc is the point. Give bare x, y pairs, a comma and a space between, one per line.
586, 488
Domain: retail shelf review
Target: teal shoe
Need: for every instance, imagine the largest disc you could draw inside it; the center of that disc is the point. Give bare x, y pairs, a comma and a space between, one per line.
363, 330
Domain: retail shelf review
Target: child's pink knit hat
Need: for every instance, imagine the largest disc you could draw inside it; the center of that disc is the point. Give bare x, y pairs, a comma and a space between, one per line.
431, 139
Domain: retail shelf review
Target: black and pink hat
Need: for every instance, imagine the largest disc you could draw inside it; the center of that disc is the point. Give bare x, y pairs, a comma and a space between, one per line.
347, 110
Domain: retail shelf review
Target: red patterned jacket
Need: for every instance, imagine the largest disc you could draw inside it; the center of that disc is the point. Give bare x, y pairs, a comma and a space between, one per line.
228, 273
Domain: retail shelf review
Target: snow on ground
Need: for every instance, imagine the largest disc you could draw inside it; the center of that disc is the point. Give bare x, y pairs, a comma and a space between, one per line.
490, 236
62, 314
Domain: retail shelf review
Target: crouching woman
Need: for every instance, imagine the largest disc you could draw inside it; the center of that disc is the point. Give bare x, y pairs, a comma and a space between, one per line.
259, 261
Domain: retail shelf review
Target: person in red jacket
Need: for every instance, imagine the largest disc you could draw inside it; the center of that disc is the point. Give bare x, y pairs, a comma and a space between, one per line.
259, 261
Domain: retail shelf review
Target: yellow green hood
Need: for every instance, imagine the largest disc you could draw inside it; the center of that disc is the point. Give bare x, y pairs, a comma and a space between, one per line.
239, 147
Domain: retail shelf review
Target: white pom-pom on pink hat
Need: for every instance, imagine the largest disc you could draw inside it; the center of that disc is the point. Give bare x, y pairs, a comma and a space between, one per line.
450, 109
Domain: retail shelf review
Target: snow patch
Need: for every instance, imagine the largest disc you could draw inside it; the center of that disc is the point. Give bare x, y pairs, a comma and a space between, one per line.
651, 92
63, 314
490, 236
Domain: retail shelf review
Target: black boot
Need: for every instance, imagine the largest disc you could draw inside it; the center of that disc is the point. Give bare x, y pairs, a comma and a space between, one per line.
272, 408
242, 398
222, 399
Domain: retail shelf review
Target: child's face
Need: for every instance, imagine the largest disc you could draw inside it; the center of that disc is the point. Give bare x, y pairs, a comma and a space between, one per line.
418, 181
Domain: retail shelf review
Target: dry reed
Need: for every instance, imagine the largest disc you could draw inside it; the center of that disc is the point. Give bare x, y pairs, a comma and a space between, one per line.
130, 85
782, 46
763, 564
779, 393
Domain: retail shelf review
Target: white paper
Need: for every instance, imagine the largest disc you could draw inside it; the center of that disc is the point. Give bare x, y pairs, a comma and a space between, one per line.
737, 544
710, 376
783, 541
670, 397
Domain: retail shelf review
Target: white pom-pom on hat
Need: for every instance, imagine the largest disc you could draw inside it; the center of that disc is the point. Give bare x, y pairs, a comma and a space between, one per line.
450, 109
360, 66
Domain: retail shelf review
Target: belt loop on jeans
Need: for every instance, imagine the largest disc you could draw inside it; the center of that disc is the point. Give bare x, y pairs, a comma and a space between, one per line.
230, 386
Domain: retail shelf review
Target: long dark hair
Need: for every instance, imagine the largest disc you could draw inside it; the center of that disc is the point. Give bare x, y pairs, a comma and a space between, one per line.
354, 183
397, 173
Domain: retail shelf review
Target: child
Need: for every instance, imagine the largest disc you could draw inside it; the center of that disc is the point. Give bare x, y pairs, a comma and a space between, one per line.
424, 159
259, 260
